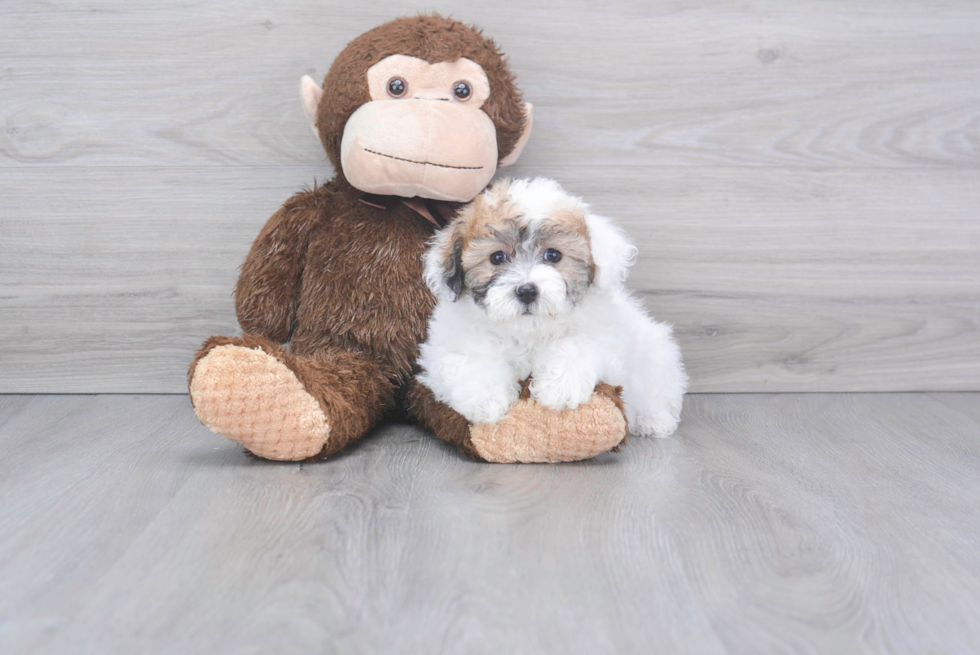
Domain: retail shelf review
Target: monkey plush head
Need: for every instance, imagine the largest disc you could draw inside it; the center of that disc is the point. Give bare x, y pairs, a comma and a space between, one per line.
423, 106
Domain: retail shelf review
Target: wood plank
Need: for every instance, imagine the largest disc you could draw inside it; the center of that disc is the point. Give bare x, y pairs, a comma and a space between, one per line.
960, 402
792, 280
837, 280
893, 84
81, 478
771, 523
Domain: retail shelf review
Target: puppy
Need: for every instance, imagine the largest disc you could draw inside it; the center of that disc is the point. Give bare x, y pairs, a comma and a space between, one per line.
530, 284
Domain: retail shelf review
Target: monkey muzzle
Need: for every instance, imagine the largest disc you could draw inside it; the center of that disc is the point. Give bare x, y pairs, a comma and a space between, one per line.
419, 147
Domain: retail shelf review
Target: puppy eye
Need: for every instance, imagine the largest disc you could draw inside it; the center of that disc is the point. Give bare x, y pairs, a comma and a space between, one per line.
397, 87
498, 258
552, 255
462, 90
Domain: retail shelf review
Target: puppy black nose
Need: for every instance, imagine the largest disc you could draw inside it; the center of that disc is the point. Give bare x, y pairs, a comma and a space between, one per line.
527, 293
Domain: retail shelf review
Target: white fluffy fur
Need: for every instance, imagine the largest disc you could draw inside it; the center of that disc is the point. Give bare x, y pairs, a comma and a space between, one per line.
474, 356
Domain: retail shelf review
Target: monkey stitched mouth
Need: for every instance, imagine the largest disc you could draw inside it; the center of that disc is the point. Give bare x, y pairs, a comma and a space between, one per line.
424, 163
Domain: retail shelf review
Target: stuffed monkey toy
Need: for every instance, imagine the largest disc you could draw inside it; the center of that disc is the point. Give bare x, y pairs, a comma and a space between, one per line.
415, 115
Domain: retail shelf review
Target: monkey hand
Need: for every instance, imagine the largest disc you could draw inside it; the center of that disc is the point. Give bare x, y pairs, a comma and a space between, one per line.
530, 432
533, 433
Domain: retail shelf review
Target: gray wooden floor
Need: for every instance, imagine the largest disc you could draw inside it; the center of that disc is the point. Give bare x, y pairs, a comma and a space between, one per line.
771, 523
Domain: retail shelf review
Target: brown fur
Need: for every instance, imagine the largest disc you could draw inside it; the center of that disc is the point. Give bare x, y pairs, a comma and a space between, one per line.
614, 394
341, 280
444, 421
329, 271
429, 37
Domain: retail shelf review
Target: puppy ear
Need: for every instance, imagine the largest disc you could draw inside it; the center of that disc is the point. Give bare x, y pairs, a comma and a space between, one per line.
443, 270
612, 252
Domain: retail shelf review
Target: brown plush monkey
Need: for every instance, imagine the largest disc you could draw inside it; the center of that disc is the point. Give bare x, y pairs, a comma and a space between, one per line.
414, 114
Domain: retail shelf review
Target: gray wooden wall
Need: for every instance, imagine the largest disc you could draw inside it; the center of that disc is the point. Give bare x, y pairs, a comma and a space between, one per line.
803, 178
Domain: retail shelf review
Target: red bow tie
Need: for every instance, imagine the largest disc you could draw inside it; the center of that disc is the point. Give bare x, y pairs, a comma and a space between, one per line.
437, 212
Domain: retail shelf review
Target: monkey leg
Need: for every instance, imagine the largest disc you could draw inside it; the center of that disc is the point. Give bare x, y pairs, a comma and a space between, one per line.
529, 433
282, 406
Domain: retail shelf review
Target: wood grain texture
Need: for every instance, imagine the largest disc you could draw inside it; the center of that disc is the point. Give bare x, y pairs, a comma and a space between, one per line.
803, 181
770, 524
788, 281
667, 83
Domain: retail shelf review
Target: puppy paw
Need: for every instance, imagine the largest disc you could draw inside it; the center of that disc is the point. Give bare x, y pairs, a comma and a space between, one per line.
489, 406
660, 425
559, 395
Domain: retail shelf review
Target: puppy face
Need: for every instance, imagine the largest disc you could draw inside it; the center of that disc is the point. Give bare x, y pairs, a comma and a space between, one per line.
521, 249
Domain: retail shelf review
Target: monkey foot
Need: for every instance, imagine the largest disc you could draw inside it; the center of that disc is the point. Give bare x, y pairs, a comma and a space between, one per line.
532, 433
249, 396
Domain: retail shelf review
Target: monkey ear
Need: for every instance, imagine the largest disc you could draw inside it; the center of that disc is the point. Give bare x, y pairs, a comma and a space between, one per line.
311, 93
522, 141
612, 252
443, 264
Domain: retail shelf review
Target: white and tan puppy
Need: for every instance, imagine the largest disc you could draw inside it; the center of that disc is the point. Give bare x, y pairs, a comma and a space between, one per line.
531, 284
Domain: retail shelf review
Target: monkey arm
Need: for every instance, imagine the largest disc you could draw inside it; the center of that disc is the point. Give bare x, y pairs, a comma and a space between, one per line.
268, 286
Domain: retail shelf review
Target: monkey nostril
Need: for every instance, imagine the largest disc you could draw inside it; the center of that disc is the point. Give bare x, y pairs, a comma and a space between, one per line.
527, 293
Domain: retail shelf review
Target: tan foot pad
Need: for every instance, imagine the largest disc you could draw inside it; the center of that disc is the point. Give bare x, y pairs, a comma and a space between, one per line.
531, 433
251, 397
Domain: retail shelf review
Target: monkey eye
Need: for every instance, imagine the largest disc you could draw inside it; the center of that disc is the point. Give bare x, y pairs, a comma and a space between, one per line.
397, 87
462, 91
498, 258
552, 255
